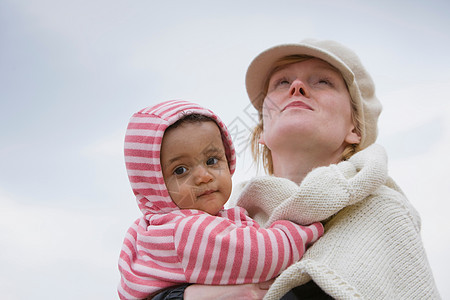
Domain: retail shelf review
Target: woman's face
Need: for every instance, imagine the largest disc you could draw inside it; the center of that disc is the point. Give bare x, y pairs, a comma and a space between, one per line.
308, 105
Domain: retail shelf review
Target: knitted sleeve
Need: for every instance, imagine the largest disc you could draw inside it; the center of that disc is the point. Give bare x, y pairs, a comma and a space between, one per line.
371, 250
323, 192
236, 250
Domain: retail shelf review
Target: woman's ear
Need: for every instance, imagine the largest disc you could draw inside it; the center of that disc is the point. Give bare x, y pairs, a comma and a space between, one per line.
353, 137
261, 139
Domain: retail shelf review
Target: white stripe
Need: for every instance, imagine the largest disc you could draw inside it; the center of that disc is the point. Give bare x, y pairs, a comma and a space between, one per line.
286, 243
315, 232
170, 274
140, 159
166, 105
160, 253
299, 252
274, 245
230, 258
144, 132
214, 261
146, 185
137, 146
261, 257
123, 292
182, 107
190, 241
142, 120
157, 238
143, 173
203, 246
246, 256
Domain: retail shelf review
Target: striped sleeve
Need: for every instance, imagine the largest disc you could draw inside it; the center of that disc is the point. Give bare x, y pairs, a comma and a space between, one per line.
148, 261
236, 250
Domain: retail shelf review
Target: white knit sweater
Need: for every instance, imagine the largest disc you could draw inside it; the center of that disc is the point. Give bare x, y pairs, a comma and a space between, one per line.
371, 248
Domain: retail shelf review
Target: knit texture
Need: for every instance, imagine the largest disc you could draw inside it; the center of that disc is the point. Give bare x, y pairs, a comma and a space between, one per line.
371, 248
168, 246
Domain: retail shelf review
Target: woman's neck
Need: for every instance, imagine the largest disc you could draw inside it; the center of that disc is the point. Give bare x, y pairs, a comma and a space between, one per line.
296, 166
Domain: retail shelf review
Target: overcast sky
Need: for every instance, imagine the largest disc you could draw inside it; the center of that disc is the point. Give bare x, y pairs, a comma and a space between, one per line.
73, 72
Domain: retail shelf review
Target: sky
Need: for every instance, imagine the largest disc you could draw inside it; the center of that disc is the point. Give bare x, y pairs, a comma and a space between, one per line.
73, 72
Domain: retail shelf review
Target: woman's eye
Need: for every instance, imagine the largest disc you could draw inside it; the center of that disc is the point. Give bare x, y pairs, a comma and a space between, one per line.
212, 161
325, 82
283, 81
180, 171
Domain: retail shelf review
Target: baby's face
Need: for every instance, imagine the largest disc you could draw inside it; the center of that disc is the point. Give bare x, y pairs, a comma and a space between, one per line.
195, 167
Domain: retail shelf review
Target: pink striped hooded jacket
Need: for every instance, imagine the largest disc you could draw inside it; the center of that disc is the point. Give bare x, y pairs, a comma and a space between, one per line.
168, 246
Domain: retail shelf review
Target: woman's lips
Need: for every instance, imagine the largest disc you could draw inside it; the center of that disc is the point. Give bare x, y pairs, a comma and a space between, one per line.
297, 104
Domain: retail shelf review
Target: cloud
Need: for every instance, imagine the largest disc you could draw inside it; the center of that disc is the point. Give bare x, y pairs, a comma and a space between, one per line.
59, 250
109, 146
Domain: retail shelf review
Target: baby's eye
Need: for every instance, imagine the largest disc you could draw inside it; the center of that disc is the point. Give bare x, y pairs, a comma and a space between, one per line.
180, 170
212, 161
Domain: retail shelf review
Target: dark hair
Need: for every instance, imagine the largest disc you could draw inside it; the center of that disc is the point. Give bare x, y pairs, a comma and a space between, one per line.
190, 118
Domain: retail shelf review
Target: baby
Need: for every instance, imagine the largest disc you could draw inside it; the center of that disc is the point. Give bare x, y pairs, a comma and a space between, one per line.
180, 158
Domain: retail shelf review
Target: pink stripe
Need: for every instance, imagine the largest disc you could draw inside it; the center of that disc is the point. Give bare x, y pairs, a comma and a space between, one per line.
139, 166
192, 253
253, 259
299, 239
223, 254
126, 288
238, 256
184, 239
148, 285
268, 260
154, 246
214, 249
158, 231
143, 139
141, 153
177, 107
142, 277
150, 180
280, 252
146, 126
145, 110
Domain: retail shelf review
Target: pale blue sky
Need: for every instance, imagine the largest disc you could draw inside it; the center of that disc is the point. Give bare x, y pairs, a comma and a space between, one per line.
73, 72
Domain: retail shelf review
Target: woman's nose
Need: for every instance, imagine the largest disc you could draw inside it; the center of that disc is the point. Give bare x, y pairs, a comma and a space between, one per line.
202, 175
298, 88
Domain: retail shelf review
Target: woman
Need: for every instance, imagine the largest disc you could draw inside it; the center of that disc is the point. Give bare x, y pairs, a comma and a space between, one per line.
318, 123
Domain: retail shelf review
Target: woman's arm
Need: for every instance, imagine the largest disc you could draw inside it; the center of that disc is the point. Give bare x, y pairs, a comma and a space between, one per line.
251, 291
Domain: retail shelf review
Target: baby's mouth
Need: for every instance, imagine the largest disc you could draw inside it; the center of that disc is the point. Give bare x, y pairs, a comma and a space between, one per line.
205, 193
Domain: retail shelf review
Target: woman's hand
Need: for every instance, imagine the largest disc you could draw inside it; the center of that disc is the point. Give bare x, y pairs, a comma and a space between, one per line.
251, 291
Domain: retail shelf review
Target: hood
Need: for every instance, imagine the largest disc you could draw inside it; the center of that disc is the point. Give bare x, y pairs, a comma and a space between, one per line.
142, 151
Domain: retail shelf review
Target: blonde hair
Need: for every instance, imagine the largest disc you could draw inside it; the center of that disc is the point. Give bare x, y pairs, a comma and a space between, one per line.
261, 153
